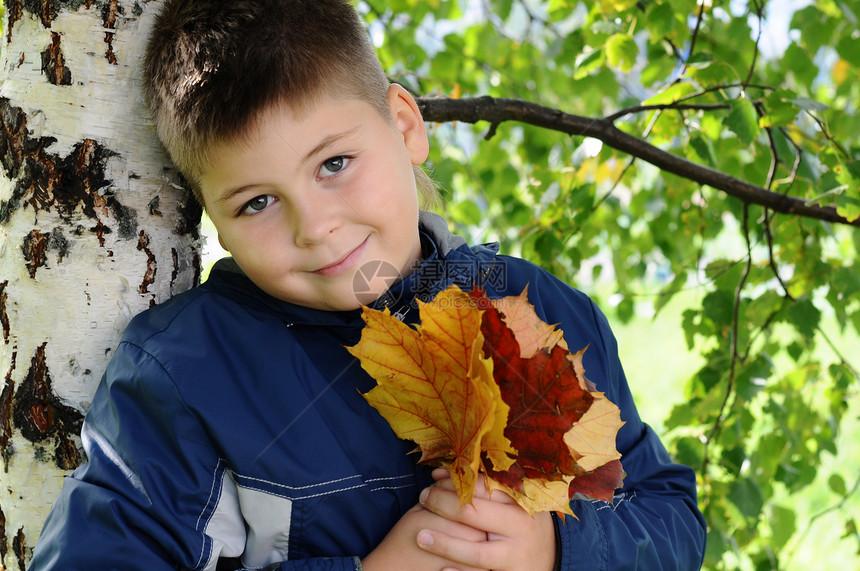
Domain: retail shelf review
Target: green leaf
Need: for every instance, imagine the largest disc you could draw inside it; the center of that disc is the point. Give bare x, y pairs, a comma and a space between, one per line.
612, 6
848, 197
815, 28
502, 8
779, 109
466, 212
848, 204
746, 495
837, 484
809, 104
801, 64
661, 18
753, 377
783, 524
671, 95
704, 148
621, 52
805, 317
742, 120
587, 62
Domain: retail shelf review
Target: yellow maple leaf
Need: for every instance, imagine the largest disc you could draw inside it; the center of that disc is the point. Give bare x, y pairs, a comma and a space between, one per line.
436, 388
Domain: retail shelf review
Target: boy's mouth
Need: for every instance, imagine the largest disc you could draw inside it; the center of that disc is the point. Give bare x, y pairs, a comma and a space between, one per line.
344, 263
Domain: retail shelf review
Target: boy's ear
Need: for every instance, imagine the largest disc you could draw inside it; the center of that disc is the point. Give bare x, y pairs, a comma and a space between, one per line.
408, 120
223, 245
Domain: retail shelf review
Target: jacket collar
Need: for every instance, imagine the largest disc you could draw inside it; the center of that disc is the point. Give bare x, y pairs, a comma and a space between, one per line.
447, 260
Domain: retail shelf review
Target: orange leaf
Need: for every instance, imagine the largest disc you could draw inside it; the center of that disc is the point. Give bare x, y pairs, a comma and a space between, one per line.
435, 387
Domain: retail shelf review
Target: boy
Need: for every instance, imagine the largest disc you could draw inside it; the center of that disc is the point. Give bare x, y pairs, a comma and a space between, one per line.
229, 431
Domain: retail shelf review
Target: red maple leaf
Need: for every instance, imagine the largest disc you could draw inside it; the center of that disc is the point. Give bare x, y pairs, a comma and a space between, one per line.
600, 483
545, 395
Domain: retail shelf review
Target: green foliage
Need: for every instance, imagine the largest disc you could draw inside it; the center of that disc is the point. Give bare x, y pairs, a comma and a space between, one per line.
764, 418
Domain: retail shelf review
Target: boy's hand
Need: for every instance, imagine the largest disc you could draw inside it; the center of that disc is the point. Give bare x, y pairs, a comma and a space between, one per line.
515, 541
399, 550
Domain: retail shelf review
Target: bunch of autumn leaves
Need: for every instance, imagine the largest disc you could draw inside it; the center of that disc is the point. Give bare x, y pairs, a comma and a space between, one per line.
485, 386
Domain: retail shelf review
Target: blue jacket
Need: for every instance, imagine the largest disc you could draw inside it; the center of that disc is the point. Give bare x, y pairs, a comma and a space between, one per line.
229, 433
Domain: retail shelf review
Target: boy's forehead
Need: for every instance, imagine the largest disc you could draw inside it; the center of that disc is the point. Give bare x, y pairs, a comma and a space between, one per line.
307, 130
325, 110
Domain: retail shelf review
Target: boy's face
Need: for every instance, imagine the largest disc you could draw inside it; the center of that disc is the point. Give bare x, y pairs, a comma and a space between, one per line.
310, 199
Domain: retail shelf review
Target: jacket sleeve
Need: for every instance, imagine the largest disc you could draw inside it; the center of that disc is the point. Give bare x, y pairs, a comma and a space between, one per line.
654, 522
154, 494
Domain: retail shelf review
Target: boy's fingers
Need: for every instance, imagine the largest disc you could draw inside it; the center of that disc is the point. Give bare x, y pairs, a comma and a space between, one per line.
446, 503
443, 480
440, 474
480, 555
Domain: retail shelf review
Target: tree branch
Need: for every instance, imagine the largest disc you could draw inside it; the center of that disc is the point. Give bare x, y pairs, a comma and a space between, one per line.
495, 111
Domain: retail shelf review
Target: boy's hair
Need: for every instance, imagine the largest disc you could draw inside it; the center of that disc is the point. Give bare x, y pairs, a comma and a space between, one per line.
213, 66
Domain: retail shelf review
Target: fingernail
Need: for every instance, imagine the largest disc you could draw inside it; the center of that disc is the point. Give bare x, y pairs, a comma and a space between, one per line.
423, 497
425, 538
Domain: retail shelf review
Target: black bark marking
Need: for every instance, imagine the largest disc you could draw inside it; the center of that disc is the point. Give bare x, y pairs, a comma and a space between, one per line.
54, 63
4, 317
4, 541
174, 256
198, 268
6, 400
71, 185
19, 548
13, 9
190, 212
39, 414
58, 241
110, 10
66, 455
151, 263
46, 10
35, 249
154, 205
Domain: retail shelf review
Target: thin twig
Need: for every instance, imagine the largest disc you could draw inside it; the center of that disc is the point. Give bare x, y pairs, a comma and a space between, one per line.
733, 346
664, 106
771, 178
758, 9
695, 35
837, 506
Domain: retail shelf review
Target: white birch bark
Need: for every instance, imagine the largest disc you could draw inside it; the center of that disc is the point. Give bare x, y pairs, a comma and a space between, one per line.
93, 229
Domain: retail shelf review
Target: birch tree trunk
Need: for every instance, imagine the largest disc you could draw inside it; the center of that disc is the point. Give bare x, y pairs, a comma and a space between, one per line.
94, 227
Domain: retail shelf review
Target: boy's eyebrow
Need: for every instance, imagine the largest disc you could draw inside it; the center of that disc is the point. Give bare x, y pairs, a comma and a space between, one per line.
232, 192
329, 141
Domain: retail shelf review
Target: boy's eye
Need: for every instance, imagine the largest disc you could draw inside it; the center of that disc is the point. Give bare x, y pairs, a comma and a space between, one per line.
333, 166
257, 204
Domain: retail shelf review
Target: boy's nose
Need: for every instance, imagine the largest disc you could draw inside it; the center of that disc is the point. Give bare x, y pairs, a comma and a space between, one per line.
316, 216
